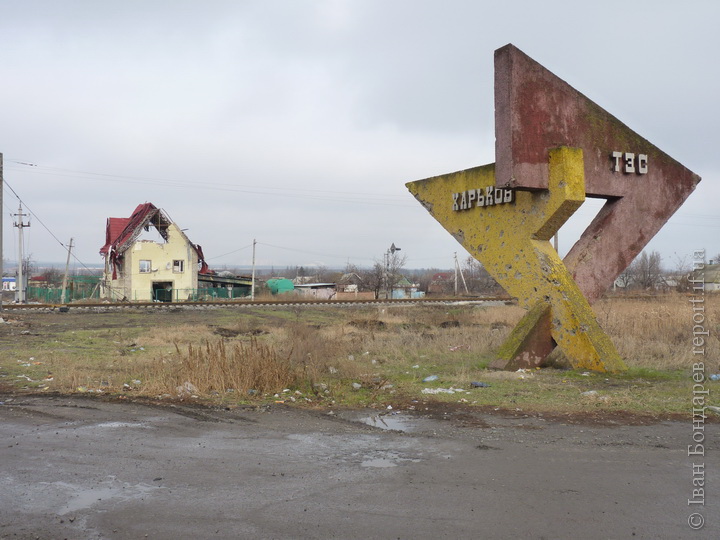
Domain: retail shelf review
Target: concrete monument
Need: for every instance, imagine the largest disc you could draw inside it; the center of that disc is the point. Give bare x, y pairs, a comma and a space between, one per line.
554, 148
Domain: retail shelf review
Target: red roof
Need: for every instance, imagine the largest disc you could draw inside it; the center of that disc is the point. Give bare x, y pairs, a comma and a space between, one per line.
115, 226
120, 230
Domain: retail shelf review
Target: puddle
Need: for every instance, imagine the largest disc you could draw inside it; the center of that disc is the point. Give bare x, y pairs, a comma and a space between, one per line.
81, 498
391, 422
397, 421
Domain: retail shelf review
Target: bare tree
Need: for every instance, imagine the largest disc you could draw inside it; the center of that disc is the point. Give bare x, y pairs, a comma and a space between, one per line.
625, 279
372, 278
29, 266
325, 275
681, 273
394, 263
424, 278
54, 276
478, 278
646, 271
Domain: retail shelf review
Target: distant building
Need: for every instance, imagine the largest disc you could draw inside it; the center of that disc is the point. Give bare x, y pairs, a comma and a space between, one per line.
403, 288
319, 291
442, 283
350, 282
709, 276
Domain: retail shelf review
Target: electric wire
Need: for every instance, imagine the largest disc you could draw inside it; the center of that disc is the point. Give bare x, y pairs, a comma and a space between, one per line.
290, 192
681, 219
229, 252
34, 215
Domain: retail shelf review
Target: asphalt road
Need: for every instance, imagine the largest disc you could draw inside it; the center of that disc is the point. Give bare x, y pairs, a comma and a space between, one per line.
85, 469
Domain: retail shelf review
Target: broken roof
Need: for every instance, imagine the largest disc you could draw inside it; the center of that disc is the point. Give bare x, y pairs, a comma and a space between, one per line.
121, 233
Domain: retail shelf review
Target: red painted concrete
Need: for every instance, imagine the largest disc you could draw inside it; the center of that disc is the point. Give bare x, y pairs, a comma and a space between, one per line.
536, 111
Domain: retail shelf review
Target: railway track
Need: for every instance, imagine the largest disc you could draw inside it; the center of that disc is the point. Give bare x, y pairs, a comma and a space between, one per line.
120, 306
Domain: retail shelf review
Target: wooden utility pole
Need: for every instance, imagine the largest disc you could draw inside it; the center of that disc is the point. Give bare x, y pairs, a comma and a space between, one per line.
252, 287
65, 277
462, 276
456, 273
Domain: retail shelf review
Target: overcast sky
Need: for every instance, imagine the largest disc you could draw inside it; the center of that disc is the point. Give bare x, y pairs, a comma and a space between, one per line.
298, 122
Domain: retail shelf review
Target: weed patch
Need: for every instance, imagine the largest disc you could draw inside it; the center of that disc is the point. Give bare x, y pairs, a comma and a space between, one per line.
359, 356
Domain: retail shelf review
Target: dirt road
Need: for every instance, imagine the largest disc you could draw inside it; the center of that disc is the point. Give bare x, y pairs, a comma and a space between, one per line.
86, 468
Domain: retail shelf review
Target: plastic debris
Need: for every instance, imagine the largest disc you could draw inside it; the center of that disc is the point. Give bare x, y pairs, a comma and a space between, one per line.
356, 386
416, 366
450, 390
476, 384
430, 378
715, 377
590, 393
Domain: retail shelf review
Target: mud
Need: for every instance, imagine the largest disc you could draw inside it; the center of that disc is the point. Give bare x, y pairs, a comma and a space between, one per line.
88, 468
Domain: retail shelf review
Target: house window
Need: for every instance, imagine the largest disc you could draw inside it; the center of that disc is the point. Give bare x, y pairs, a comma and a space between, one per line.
145, 266
178, 266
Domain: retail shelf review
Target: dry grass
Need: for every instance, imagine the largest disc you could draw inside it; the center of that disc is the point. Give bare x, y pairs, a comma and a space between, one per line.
219, 367
656, 332
319, 352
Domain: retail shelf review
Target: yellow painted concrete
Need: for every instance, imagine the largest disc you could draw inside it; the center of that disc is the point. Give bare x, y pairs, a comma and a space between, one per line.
511, 240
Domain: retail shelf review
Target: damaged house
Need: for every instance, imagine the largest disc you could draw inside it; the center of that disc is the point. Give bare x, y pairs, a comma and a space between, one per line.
149, 258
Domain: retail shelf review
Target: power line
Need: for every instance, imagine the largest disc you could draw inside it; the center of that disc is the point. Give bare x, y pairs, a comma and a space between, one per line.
229, 252
34, 215
291, 192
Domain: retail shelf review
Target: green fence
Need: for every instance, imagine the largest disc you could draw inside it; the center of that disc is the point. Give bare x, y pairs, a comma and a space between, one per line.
200, 295
51, 295
82, 290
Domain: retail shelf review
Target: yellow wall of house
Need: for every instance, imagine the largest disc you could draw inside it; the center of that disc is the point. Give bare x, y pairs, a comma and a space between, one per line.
136, 285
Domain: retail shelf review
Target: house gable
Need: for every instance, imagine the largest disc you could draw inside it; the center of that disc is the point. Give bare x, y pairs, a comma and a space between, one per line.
140, 269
